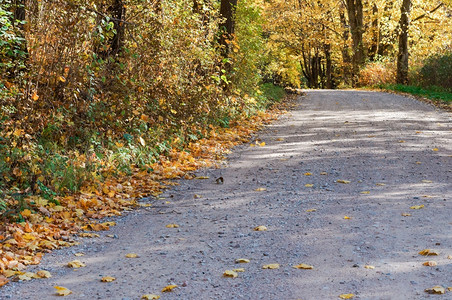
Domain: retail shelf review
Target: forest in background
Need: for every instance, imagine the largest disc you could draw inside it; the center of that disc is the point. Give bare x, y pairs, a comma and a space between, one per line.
100, 88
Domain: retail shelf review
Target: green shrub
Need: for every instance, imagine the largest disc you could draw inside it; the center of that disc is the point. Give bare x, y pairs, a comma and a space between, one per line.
437, 71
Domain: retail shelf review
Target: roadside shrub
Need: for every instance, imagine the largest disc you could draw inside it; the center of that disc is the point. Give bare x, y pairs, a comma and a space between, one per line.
437, 71
378, 73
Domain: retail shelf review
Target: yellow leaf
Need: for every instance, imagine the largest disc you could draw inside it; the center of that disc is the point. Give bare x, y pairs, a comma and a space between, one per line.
131, 255
108, 279
427, 181
401, 141
406, 215
25, 213
79, 254
417, 206
346, 296
280, 139
307, 174
303, 266
44, 274
260, 228
169, 288
311, 210
76, 264
260, 189
430, 263
271, 266
150, 297
347, 218
435, 149
202, 177
119, 145
239, 270
229, 273
160, 118
27, 276
380, 184
35, 96
369, 267
172, 226
109, 224
62, 79
242, 261
309, 185
365, 192
62, 291
429, 252
343, 181
436, 290
418, 163
262, 144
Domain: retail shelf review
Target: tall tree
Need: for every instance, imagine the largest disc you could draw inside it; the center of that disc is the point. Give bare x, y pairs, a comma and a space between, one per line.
403, 54
227, 10
355, 17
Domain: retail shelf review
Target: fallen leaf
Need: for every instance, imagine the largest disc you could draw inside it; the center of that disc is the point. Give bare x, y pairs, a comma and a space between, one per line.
88, 235
242, 261
3, 280
260, 228
380, 184
150, 297
347, 218
109, 224
44, 274
343, 181
406, 215
311, 210
436, 290
307, 174
365, 192
196, 196
79, 254
303, 266
449, 289
260, 189
346, 296
62, 291
169, 288
418, 163
172, 226
435, 149
262, 144
449, 257
76, 264
427, 181
401, 141
280, 139
202, 177
230, 273
131, 255
417, 206
239, 270
271, 266
25, 213
108, 279
369, 267
323, 173
27, 276
429, 252
430, 263
309, 185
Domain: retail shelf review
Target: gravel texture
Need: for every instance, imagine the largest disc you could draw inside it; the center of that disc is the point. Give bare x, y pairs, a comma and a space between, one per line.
383, 144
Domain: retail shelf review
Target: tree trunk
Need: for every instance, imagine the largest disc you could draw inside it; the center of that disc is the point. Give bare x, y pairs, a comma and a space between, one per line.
403, 55
328, 68
227, 10
118, 13
346, 59
20, 55
355, 17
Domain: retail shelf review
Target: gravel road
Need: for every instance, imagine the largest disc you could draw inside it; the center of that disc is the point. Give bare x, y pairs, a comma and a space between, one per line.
390, 152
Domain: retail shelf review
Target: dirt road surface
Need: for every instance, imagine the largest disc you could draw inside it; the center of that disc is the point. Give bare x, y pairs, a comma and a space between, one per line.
391, 153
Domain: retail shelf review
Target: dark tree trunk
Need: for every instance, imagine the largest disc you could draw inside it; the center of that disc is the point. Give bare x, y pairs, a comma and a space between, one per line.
375, 31
227, 11
346, 58
118, 13
355, 17
20, 55
328, 67
403, 55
